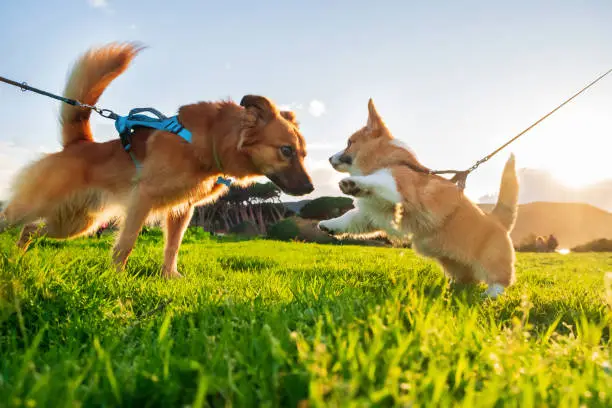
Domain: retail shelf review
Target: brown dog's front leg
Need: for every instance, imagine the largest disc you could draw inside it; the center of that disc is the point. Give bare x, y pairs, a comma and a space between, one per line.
176, 224
137, 212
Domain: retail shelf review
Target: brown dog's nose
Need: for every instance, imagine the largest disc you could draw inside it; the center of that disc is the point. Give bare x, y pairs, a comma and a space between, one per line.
304, 189
300, 190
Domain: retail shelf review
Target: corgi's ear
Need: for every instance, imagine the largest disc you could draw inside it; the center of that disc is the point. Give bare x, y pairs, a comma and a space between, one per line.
375, 122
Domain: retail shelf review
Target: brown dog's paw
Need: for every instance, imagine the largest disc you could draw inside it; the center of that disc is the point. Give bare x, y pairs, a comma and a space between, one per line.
349, 187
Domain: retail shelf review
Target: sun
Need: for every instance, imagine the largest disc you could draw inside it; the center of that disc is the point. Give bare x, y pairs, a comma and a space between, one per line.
579, 174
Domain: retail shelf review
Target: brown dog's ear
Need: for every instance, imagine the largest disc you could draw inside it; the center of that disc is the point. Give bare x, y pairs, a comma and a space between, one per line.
289, 116
257, 110
375, 122
260, 106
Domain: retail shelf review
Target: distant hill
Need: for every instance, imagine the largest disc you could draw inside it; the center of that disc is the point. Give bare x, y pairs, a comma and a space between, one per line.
295, 206
572, 223
538, 185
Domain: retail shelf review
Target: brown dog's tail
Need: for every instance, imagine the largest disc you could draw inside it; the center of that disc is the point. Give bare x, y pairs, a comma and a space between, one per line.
505, 210
90, 76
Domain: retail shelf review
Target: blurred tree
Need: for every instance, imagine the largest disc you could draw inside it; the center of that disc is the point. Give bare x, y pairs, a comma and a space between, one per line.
324, 208
258, 204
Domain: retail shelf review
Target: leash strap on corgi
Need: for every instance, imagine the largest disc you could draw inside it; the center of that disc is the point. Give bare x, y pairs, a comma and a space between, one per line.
460, 176
125, 125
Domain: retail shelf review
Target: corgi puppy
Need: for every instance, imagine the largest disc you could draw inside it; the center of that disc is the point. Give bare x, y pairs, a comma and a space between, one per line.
80, 187
398, 196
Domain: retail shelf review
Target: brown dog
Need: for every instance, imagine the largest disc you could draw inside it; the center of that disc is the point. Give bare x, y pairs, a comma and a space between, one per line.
75, 190
395, 194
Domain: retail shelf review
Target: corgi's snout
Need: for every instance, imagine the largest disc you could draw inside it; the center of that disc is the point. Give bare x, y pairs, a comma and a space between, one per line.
346, 159
340, 158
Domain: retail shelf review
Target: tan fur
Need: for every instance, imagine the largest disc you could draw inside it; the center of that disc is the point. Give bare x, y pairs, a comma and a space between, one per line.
76, 189
470, 245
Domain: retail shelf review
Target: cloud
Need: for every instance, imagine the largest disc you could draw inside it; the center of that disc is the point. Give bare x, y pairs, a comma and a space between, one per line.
291, 106
106, 7
316, 108
98, 3
325, 181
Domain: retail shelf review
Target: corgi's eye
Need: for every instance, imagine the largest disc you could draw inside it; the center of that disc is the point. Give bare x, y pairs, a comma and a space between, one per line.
286, 151
349, 144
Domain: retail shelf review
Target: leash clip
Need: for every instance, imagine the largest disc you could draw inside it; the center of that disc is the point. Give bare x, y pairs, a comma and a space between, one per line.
107, 113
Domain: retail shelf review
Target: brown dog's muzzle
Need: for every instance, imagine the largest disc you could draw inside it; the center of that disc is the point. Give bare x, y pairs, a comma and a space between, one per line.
293, 180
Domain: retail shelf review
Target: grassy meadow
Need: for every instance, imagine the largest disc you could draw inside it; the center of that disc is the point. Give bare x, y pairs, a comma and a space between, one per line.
267, 323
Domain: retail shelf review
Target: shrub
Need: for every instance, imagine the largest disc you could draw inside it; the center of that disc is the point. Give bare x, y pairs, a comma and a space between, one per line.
597, 245
324, 208
151, 234
528, 244
285, 230
195, 234
535, 243
247, 228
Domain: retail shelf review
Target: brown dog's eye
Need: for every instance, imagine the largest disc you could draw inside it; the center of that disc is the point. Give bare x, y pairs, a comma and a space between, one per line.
349, 144
287, 151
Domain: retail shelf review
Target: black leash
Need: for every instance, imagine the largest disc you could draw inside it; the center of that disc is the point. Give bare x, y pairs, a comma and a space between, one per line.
460, 176
107, 113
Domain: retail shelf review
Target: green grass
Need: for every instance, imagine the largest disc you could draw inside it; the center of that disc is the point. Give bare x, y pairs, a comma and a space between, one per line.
265, 323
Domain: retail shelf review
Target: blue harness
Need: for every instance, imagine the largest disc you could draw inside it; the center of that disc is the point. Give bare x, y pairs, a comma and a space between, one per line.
125, 126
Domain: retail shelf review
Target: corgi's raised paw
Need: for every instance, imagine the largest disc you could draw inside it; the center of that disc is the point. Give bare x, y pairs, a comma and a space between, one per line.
351, 187
323, 227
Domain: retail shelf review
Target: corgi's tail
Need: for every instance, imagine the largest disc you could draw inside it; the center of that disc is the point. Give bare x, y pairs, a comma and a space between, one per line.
506, 209
90, 76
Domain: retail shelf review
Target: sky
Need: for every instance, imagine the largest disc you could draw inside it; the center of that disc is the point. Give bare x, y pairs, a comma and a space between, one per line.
451, 79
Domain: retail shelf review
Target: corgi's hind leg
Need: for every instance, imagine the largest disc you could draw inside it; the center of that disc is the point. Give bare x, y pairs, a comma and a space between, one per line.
496, 266
499, 275
494, 290
457, 271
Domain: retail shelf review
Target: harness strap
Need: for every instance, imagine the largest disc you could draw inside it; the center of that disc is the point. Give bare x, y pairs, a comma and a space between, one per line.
220, 180
125, 126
